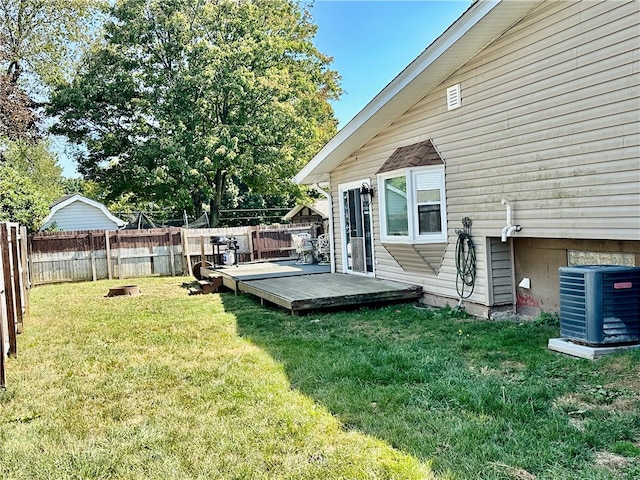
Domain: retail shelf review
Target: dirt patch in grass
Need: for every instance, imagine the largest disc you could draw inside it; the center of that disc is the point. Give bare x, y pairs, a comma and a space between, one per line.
514, 472
610, 398
612, 461
578, 423
508, 371
626, 403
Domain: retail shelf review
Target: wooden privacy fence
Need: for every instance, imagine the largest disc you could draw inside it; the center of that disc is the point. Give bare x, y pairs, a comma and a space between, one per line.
254, 243
93, 255
14, 290
99, 254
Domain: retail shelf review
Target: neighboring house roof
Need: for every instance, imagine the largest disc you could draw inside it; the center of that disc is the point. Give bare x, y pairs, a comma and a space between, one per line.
67, 200
320, 207
482, 23
64, 198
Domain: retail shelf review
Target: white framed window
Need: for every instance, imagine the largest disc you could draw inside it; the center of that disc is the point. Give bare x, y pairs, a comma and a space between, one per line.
413, 205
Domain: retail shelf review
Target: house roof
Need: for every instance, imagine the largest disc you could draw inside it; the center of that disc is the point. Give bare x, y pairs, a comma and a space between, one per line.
483, 22
69, 199
320, 207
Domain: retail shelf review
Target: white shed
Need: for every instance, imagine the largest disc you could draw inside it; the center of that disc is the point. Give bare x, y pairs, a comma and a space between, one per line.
75, 212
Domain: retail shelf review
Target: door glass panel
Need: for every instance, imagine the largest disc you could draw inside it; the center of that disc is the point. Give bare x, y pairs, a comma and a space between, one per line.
368, 239
357, 238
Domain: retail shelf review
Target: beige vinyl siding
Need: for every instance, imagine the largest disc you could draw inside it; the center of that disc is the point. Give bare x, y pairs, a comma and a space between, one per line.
500, 269
549, 120
417, 258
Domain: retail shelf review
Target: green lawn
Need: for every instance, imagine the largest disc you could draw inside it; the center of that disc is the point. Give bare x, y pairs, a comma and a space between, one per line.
169, 386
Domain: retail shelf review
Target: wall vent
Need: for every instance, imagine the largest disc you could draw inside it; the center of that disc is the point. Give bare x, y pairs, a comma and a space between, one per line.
453, 97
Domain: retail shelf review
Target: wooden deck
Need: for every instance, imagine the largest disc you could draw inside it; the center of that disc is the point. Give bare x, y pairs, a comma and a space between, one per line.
300, 288
233, 276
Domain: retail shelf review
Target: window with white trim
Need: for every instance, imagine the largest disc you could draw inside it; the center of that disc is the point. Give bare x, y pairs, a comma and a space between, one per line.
412, 205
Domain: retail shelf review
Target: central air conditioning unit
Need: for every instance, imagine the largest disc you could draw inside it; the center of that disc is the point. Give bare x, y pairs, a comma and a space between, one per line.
600, 304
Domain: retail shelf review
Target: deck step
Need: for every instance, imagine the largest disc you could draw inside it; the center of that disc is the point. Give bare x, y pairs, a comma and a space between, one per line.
206, 286
210, 285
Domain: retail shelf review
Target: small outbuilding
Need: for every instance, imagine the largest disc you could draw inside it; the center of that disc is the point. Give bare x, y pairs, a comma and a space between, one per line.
318, 212
76, 212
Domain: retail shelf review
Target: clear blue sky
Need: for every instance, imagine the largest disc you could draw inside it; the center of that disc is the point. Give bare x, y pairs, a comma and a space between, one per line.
372, 41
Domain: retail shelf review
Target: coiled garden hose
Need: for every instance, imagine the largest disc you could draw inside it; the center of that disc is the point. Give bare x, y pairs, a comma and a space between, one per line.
465, 265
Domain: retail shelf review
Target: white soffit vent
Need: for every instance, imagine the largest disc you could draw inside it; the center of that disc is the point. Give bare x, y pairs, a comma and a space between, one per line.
453, 97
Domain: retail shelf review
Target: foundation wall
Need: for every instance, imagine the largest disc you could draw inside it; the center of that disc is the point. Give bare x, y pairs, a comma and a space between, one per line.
539, 260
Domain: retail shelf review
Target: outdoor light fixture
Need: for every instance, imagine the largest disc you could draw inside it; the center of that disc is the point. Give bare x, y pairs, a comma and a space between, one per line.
366, 192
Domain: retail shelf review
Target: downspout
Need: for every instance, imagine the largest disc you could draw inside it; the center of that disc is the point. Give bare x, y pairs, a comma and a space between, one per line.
509, 228
329, 198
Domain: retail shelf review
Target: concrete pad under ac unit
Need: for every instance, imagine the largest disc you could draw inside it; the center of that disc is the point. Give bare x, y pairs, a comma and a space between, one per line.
563, 345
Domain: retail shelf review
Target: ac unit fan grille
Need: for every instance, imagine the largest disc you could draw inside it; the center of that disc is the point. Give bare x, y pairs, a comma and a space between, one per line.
572, 311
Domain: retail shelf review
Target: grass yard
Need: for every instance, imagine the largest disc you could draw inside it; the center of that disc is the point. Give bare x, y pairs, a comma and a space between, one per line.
168, 386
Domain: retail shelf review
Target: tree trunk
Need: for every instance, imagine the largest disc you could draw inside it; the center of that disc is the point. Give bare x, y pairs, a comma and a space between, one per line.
216, 198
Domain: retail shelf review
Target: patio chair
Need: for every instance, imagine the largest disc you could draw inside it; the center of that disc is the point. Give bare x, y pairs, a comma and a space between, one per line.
304, 247
323, 249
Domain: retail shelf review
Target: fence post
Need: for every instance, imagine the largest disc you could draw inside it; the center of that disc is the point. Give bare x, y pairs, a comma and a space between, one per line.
17, 277
119, 254
108, 248
93, 257
258, 243
9, 288
185, 249
173, 268
250, 235
26, 276
4, 319
3, 382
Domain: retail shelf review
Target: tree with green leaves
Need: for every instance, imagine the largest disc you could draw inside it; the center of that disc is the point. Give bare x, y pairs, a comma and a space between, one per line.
183, 96
40, 39
30, 181
35, 162
20, 200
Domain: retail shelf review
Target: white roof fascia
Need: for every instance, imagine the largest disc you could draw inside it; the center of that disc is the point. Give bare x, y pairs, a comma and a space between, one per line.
293, 212
320, 207
88, 201
464, 38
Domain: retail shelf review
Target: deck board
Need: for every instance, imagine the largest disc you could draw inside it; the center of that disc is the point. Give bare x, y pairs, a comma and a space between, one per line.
328, 290
233, 276
300, 288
